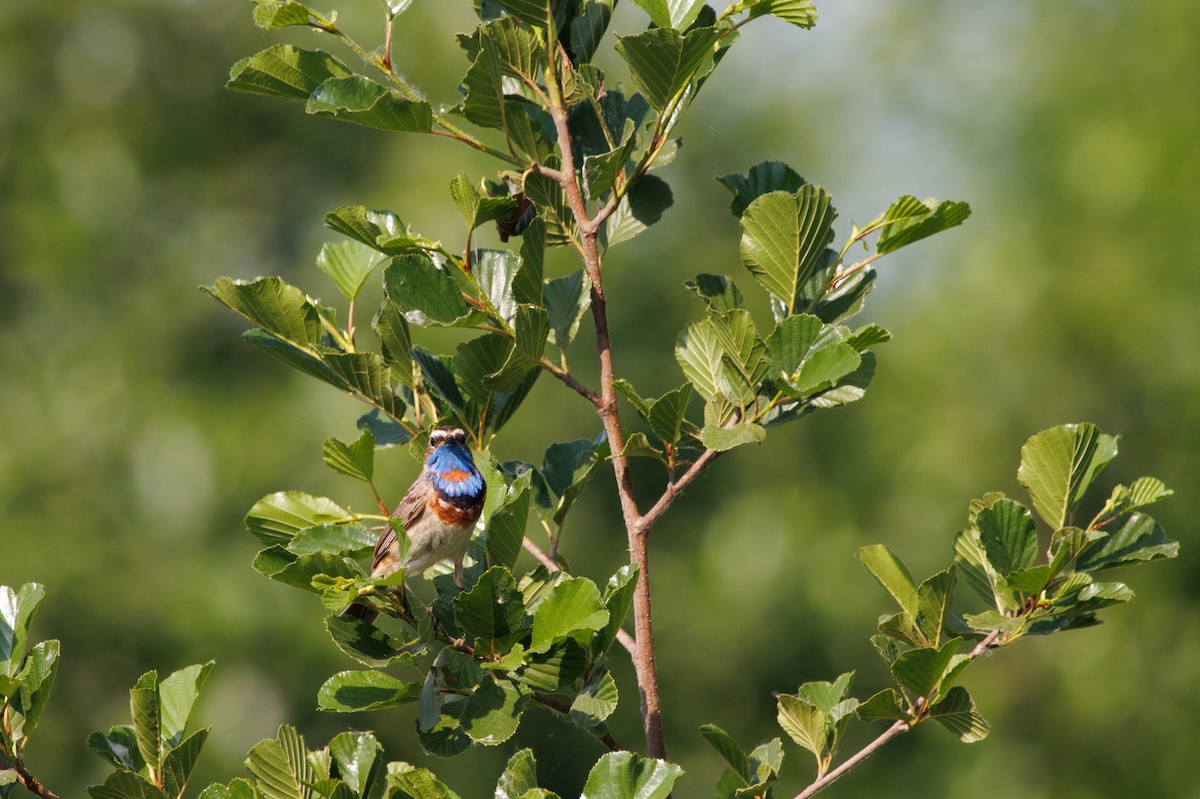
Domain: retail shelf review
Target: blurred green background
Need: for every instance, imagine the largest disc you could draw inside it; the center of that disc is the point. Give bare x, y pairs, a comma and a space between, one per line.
136, 428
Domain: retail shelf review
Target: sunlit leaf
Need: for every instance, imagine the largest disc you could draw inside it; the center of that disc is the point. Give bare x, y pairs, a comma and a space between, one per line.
784, 237
761, 179
352, 691
285, 71
909, 220
362, 101
624, 775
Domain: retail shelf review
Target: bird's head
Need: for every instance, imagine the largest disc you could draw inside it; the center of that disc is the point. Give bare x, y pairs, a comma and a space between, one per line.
449, 464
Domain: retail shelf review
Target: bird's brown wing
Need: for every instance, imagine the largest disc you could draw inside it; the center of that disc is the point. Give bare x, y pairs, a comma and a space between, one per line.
408, 511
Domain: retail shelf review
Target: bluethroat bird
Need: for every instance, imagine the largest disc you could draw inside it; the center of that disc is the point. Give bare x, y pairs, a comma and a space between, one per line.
438, 513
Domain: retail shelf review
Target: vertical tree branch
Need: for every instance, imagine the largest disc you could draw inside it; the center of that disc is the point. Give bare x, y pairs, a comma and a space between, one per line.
643, 655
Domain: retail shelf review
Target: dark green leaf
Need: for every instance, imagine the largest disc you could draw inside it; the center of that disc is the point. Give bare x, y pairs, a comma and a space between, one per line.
956, 712
624, 775
144, 708
493, 711
663, 61
237, 788
381, 230
118, 747
1137, 539
491, 612
573, 605
642, 206
559, 667
667, 413
285, 71
726, 438
909, 220
719, 292
761, 179
298, 571
355, 460
801, 13
125, 785
277, 517
366, 643
547, 195
921, 670
387, 432
351, 691
933, 602
178, 764
30, 698
475, 206
423, 292
728, 748
362, 101
1008, 536
567, 299
273, 305
885, 705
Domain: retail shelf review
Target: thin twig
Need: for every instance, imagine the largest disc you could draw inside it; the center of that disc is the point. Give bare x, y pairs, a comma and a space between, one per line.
24, 778
673, 490
858, 757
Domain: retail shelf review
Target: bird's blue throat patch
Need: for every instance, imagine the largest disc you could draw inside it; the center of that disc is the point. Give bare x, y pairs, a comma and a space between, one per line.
453, 471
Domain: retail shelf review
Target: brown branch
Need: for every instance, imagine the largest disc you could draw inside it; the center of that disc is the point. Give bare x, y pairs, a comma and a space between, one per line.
643, 658
24, 778
673, 489
570, 381
862, 754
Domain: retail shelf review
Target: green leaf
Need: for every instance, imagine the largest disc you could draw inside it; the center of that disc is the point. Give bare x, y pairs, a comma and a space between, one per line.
282, 766
355, 460
125, 785
933, 602
276, 518
921, 670
547, 195
491, 612
671, 13
956, 712
118, 746
493, 712
727, 748
506, 531
588, 29
643, 205
566, 468
909, 220
30, 698
423, 292
273, 305
624, 775
804, 724
359, 760
668, 413
601, 171
1058, 465
663, 61
1008, 536
559, 667
366, 643
298, 571
573, 605
285, 71
179, 762
272, 14
784, 237
144, 708
353, 691
801, 13
719, 292
596, 702
177, 694
349, 264
618, 598
17, 609
475, 206
519, 777
699, 352
238, 788
893, 575
358, 99
534, 12
1137, 539
416, 783
380, 230
726, 438
567, 300
761, 179
883, 706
